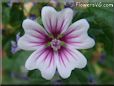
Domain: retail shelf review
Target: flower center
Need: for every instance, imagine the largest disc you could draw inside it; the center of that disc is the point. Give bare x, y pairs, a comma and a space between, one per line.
55, 44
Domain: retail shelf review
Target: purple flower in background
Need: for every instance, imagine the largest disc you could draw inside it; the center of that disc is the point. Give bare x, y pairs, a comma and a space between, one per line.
91, 79
18, 76
11, 2
14, 46
102, 58
32, 16
55, 46
57, 82
70, 3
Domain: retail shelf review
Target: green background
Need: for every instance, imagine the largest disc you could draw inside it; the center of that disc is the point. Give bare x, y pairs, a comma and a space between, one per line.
101, 21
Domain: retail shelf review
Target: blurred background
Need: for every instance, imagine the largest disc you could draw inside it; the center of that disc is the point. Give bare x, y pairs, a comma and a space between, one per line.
100, 67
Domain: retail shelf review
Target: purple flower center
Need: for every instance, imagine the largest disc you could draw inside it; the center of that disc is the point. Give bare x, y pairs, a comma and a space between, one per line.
55, 44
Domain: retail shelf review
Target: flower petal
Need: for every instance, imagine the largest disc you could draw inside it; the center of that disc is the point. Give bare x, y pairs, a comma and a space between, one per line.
42, 59
76, 35
56, 22
49, 16
34, 36
68, 59
65, 18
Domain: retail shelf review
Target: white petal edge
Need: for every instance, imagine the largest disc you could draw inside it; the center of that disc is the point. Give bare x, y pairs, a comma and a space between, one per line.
47, 72
80, 24
30, 63
25, 43
30, 25
81, 27
48, 13
30, 28
79, 62
65, 15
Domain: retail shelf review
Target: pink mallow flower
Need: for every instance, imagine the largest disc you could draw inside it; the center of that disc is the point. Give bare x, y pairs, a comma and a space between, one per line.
55, 46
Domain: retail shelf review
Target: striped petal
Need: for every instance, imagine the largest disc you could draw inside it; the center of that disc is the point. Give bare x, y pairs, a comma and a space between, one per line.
42, 59
68, 59
56, 22
76, 35
34, 36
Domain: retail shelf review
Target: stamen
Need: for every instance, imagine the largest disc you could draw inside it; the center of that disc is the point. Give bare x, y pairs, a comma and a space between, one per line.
55, 44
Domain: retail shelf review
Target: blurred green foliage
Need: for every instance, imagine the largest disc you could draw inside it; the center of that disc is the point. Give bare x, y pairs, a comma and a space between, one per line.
101, 29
